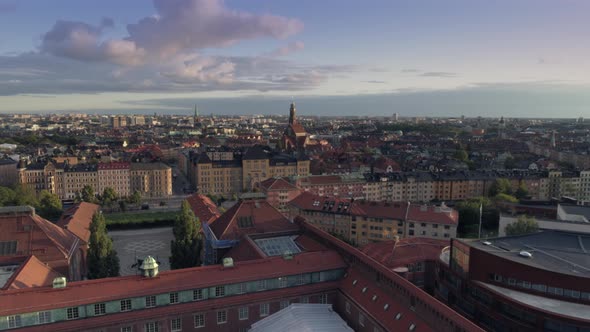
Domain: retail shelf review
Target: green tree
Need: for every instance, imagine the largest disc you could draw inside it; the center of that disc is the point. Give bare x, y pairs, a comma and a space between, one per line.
461, 155
523, 225
469, 216
7, 196
521, 192
500, 186
135, 198
25, 196
102, 257
88, 194
108, 197
501, 197
186, 246
49, 205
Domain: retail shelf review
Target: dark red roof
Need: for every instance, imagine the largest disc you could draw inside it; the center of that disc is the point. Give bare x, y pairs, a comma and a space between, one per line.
265, 219
203, 208
77, 219
309, 201
407, 251
376, 308
110, 289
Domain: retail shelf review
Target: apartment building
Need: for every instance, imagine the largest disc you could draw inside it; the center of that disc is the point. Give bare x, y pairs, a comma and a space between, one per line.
361, 222
66, 181
225, 171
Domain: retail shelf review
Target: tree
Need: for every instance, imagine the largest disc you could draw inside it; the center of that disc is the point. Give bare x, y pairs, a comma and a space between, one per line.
521, 192
500, 186
186, 246
501, 197
102, 257
135, 198
88, 194
461, 155
49, 205
523, 225
25, 196
469, 216
7, 196
123, 205
108, 197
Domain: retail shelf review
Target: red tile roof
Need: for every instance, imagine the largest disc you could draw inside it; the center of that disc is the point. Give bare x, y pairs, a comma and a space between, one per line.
203, 208
77, 219
407, 251
61, 238
309, 201
324, 179
246, 250
265, 219
277, 184
110, 289
31, 273
376, 309
433, 214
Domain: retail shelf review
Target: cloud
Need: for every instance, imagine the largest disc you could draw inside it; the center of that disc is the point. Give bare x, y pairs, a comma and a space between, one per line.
288, 49
197, 69
438, 74
410, 70
375, 82
178, 27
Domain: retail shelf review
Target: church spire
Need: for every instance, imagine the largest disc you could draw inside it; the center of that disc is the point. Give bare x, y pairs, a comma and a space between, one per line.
292, 111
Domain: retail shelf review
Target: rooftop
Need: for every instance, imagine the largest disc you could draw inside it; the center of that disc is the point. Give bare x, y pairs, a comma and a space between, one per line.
563, 308
299, 317
405, 251
557, 251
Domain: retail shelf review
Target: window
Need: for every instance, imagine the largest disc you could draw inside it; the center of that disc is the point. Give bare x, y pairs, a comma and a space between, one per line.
264, 308
241, 288
199, 320
361, 320
347, 305
245, 222
511, 281
284, 304
324, 298
261, 285
125, 305
300, 279
99, 309
304, 299
15, 321
72, 313
219, 291
127, 329
150, 301
197, 294
243, 313
283, 282
411, 232
44, 317
7, 248
176, 324
173, 298
221, 317
152, 327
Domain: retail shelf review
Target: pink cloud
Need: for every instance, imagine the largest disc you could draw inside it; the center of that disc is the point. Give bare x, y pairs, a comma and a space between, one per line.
288, 49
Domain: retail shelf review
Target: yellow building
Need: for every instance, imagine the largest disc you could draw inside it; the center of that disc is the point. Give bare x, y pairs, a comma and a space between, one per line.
151, 179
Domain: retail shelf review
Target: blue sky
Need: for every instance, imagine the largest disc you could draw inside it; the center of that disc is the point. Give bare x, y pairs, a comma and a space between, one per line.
422, 57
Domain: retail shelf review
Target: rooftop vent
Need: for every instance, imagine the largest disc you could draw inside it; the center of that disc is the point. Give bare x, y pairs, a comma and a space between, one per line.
149, 266
525, 254
228, 262
386, 306
487, 243
59, 282
287, 255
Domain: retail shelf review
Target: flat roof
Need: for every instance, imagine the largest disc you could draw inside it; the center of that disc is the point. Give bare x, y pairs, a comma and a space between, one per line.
557, 251
563, 308
303, 317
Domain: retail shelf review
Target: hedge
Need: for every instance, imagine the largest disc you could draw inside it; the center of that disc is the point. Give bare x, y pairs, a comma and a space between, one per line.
139, 220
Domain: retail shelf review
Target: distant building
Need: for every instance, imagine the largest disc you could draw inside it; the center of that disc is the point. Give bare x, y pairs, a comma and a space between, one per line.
279, 192
8, 172
295, 138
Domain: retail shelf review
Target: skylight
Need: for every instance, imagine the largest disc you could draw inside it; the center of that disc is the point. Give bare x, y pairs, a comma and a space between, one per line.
277, 246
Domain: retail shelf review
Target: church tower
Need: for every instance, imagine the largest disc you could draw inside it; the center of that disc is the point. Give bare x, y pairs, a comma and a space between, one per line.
292, 119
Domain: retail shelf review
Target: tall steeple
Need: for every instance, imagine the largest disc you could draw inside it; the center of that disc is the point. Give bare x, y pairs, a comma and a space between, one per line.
292, 111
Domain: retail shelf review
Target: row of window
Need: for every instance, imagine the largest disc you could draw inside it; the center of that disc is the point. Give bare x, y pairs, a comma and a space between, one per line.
541, 287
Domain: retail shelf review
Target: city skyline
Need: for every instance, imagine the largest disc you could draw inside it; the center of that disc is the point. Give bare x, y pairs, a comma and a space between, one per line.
517, 59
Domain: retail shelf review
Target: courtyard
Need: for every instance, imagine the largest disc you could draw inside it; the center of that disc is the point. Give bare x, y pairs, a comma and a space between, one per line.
139, 243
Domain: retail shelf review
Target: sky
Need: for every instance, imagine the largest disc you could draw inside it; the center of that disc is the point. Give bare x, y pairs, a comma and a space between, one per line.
512, 58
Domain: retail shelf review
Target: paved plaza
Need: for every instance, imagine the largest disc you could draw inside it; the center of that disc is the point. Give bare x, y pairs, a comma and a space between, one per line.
141, 243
